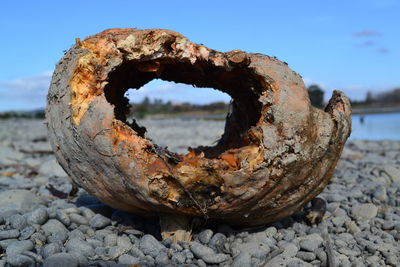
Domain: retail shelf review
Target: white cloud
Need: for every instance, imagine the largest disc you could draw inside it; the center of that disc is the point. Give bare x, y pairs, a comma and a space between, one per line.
25, 93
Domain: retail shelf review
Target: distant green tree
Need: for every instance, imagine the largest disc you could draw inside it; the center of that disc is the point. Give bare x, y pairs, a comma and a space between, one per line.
316, 95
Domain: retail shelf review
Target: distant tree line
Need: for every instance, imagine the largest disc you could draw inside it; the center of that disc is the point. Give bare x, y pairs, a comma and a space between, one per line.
387, 98
37, 114
158, 106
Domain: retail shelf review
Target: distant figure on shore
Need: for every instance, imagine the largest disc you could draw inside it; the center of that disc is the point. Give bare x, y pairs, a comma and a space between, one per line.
362, 119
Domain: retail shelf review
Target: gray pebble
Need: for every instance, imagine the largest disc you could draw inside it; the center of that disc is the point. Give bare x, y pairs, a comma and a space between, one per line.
150, 246
242, 260
364, 211
27, 232
255, 249
19, 200
217, 242
134, 232
88, 213
270, 231
78, 219
6, 242
128, 259
176, 247
38, 238
388, 225
178, 258
207, 254
136, 252
18, 247
116, 251
110, 240
38, 216
8, 234
18, 221
94, 242
79, 246
311, 242
306, 256
205, 236
61, 260
76, 234
124, 242
63, 217
380, 193
294, 262
20, 260
162, 259
101, 251
99, 221
54, 226
201, 263
50, 249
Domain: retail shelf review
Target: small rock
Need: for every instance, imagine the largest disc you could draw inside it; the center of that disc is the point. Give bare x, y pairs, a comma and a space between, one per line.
94, 242
352, 227
27, 232
61, 260
50, 249
136, 252
294, 262
255, 249
178, 258
20, 260
364, 211
162, 259
79, 246
270, 231
207, 254
8, 234
205, 236
217, 241
116, 251
76, 234
311, 242
88, 213
18, 247
9, 156
380, 193
51, 168
17, 221
150, 246
110, 240
242, 260
128, 259
63, 217
388, 225
124, 241
55, 231
78, 219
38, 216
54, 226
99, 221
306, 256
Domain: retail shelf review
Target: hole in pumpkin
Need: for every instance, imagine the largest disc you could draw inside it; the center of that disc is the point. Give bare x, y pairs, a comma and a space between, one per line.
178, 115
240, 83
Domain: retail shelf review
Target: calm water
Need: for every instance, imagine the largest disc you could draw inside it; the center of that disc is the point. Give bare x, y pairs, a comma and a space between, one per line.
376, 126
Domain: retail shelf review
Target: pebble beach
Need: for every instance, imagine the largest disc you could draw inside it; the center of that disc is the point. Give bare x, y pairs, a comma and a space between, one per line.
361, 226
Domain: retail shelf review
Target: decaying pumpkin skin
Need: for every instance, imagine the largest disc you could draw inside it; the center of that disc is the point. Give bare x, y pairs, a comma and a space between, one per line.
277, 153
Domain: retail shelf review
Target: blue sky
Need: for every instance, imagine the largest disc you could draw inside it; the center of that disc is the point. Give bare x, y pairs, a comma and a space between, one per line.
353, 46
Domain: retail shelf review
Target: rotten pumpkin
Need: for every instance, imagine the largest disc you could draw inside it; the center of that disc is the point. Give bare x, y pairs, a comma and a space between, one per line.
276, 154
